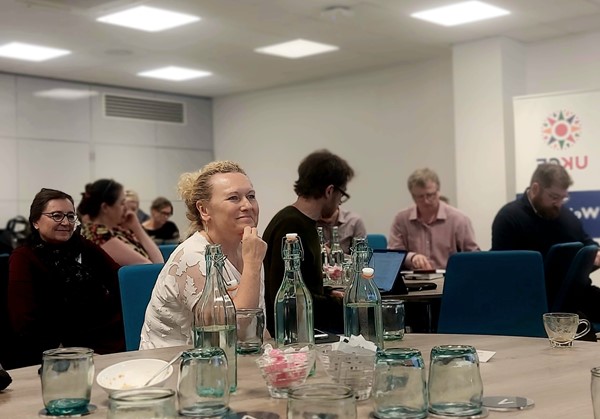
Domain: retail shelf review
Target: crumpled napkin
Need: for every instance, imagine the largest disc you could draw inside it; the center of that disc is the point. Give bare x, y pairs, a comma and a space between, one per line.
354, 345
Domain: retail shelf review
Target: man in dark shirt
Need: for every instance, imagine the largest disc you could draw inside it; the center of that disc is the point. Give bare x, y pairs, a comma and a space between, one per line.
538, 220
321, 187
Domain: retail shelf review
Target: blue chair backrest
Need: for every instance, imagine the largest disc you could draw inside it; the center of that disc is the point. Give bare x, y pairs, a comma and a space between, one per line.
494, 293
556, 265
576, 280
136, 283
377, 241
166, 250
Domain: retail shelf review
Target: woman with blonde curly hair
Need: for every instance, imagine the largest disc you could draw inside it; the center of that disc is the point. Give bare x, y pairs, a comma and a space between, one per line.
222, 209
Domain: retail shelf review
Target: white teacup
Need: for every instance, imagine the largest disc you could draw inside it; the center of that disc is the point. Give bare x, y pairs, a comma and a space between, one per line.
561, 328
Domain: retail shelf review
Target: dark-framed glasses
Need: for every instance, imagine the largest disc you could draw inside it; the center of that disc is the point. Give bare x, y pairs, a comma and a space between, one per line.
166, 213
556, 197
58, 216
345, 196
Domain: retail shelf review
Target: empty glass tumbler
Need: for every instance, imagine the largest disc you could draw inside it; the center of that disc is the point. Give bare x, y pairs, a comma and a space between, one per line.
399, 387
321, 401
156, 403
595, 387
455, 386
67, 377
250, 329
203, 385
392, 313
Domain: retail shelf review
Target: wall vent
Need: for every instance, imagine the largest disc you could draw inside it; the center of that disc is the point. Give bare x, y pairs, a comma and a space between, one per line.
116, 106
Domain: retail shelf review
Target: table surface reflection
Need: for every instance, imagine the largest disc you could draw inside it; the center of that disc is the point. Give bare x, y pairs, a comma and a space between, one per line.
558, 380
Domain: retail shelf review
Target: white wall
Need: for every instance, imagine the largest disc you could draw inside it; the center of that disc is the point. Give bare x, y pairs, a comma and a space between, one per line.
568, 63
64, 144
385, 123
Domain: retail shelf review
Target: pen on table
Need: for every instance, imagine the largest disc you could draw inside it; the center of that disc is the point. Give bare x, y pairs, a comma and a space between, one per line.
320, 334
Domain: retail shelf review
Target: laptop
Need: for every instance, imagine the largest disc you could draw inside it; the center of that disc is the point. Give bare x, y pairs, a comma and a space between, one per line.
388, 278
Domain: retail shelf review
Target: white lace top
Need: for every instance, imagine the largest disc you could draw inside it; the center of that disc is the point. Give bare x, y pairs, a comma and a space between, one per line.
178, 288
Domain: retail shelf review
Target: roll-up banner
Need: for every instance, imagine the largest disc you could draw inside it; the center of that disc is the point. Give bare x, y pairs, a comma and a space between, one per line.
562, 128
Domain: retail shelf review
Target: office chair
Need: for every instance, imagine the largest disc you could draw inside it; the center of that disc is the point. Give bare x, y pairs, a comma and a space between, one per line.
494, 293
376, 241
576, 280
557, 262
136, 283
166, 250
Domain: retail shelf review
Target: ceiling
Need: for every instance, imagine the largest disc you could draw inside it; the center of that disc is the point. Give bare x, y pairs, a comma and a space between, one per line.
377, 34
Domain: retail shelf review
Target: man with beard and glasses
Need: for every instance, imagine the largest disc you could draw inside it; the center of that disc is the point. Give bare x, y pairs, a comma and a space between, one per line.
321, 188
538, 220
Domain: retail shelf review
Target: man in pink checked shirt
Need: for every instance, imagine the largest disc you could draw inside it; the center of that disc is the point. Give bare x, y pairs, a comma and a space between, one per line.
430, 230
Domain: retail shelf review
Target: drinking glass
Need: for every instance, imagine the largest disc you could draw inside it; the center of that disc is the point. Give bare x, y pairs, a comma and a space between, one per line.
250, 329
455, 386
561, 328
321, 401
392, 313
203, 385
399, 387
596, 391
156, 403
67, 377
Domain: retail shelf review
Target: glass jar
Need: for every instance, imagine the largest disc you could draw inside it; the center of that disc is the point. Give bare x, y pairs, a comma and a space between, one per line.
455, 386
399, 387
67, 377
156, 403
321, 401
203, 385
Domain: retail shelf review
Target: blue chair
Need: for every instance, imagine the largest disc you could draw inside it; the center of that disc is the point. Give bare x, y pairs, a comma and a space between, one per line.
494, 293
166, 250
557, 262
576, 280
136, 283
377, 241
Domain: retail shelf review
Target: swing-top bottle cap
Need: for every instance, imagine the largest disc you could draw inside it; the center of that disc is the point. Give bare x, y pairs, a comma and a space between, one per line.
291, 236
368, 272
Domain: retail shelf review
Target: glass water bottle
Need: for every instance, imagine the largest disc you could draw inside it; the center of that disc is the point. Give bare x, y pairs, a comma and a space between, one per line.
337, 254
362, 300
214, 313
324, 252
293, 303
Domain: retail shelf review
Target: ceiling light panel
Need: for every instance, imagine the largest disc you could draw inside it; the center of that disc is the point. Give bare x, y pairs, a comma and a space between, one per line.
175, 73
298, 48
460, 13
149, 19
29, 52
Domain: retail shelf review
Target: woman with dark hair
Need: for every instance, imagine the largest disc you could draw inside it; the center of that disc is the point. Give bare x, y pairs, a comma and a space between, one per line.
62, 289
158, 226
113, 226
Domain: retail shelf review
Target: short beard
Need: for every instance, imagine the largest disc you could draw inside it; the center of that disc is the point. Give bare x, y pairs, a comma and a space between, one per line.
548, 213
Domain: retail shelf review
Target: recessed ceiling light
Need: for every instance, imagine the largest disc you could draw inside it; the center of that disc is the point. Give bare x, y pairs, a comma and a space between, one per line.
459, 13
175, 73
66, 94
29, 52
296, 49
148, 19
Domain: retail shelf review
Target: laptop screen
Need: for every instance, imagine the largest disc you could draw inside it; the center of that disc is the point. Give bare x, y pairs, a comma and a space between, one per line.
387, 265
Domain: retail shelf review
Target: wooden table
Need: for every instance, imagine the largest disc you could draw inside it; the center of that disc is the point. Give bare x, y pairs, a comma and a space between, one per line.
558, 380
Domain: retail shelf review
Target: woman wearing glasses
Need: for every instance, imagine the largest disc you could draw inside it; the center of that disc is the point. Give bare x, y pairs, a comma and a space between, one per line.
113, 226
158, 227
222, 207
62, 289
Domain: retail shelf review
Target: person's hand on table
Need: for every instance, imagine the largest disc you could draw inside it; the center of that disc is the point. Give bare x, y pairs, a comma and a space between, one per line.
337, 293
421, 262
